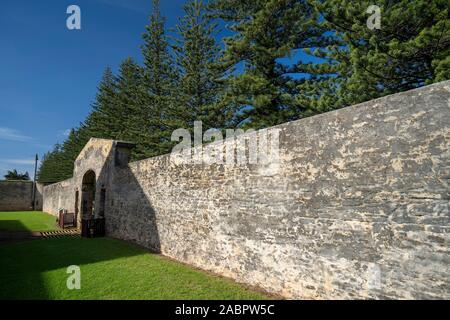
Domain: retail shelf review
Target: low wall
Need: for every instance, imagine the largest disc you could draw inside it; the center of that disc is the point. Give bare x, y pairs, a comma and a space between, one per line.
18, 195
358, 207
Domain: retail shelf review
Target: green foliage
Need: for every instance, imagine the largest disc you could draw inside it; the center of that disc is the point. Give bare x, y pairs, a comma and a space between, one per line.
14, 175
272, 90
201, 75
410, 49
132, 111
104, 120
50, 170
57, 165
160, 79
284, 60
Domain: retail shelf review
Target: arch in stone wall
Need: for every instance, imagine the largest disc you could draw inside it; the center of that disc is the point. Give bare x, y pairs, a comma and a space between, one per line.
88, 187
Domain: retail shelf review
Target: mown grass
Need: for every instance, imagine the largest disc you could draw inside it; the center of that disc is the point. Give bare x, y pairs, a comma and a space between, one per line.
110, 269
27, 221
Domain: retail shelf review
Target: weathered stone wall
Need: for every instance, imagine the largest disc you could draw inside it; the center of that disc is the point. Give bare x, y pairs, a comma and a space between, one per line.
358, 208
96, 156
39, 197
18, 195
15, 195
59, 196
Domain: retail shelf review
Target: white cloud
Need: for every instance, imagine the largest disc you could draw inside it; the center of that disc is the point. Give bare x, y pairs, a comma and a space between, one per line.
65, 133
12, 135
18, 161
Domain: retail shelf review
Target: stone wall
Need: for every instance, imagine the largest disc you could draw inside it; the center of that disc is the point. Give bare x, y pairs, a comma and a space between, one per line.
18, 195
39, 199
356, 207
59, 196
96, 157
359, 207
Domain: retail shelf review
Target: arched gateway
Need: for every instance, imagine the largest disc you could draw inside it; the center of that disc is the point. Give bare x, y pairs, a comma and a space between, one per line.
91, 224
88, 195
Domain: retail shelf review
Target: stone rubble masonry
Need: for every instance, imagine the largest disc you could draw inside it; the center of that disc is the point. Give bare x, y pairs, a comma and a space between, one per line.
358, 206
16, 195
95, 156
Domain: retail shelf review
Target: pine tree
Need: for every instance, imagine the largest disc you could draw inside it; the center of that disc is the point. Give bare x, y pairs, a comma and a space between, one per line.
104, 121
201, 76
50, 170
411, 48
14, 175
132, 103
160, 83
57, 165
270, 91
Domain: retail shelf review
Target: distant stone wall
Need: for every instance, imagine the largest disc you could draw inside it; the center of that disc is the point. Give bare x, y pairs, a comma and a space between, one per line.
18, 195
359, 207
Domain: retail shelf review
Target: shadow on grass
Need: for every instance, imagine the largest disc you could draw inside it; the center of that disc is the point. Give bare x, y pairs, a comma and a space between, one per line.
12, 225
24, 266
27, 221
15, 231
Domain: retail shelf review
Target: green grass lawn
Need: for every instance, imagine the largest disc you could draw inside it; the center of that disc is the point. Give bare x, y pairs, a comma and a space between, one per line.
27, 221
110, 269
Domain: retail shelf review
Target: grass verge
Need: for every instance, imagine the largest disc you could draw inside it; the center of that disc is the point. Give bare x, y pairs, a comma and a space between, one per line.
27, 221
110, 269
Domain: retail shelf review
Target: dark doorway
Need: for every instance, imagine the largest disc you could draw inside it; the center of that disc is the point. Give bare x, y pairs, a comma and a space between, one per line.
101, 211
88, 195
77, 197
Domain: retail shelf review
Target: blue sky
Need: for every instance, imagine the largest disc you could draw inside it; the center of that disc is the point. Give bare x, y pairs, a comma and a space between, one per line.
49, 74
